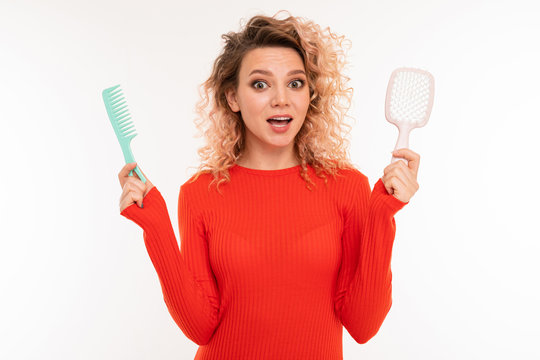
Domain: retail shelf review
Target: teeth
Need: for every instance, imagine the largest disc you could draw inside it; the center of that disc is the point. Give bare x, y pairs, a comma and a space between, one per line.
280, 118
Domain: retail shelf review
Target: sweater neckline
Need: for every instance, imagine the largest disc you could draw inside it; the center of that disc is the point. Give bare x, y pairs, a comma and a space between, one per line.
275, 172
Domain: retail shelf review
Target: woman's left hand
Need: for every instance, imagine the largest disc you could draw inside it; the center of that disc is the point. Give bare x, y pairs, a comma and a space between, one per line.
399, 179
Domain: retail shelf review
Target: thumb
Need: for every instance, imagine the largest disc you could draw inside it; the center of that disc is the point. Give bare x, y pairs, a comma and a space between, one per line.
130, 169
130, 166
388, 187
148, 183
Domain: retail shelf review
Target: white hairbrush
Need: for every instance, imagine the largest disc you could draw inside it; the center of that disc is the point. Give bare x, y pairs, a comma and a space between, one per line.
409, 99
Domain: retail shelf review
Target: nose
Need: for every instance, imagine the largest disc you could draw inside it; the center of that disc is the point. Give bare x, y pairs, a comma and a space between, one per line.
280, 97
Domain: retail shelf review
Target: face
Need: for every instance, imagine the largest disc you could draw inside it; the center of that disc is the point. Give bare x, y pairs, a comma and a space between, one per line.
271, 81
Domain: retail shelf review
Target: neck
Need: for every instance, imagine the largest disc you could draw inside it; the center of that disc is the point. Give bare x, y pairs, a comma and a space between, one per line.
267, 162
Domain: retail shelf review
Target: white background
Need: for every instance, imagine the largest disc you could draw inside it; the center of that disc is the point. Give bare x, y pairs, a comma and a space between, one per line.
77, 282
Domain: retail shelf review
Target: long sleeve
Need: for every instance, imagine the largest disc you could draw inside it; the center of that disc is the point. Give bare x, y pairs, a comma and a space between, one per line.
268, 268
364, 294
187, 282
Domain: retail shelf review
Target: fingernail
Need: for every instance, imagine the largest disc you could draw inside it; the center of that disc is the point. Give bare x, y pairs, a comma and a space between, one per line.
142, 205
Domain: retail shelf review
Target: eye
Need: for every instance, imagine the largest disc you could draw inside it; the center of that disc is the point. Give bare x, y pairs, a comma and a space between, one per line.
298, 81
256, 82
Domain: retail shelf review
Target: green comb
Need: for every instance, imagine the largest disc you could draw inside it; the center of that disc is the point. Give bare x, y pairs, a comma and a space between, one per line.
123, 128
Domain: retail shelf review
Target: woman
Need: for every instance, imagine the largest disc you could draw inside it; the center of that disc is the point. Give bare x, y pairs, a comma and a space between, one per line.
275, 262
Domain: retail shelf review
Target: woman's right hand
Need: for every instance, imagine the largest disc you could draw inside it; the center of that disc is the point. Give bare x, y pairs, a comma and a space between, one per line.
133, 189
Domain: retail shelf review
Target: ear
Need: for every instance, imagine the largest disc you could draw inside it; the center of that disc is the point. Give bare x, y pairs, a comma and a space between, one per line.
231, 99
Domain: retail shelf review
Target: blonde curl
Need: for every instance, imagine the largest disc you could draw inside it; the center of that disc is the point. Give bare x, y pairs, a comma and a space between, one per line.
322, 141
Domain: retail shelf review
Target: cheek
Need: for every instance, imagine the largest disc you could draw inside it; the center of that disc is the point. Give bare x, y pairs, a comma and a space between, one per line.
254, 105
302, 101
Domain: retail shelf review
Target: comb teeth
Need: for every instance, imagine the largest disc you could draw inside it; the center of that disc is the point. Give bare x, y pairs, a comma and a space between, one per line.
118, 112
410, 96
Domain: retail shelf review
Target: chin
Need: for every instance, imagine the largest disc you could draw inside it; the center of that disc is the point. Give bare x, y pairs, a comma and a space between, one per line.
279, 142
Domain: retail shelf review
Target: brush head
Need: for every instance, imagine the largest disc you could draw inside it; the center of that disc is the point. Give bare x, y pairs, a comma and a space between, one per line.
118, 113
409, 97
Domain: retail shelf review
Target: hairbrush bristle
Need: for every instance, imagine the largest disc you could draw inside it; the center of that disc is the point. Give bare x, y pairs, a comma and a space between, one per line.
410, 96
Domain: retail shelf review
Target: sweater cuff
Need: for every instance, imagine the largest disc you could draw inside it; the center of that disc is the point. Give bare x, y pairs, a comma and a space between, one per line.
382, 199
153, 205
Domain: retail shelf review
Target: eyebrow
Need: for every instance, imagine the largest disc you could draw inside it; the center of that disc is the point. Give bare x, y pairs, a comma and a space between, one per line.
264, 72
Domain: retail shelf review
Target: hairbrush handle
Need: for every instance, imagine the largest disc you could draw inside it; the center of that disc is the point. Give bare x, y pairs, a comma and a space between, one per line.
139, 172
129, 158
402, 141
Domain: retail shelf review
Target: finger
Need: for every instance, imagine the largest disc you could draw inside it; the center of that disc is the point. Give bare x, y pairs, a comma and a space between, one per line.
404, 173
131, 198
124, 176
393, 165
387, 184
412, 158
397, 186
405, 153
391, 183
133, 195
126, 169
133, 184
136, 175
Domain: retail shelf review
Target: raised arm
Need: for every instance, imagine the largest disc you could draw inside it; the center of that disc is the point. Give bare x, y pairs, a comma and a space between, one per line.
364, 293
187, 282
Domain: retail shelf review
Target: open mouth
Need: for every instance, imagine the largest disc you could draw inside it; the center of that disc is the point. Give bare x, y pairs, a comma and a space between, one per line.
279, 122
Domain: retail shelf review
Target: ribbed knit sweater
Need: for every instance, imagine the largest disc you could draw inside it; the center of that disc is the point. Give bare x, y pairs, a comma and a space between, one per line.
269, 269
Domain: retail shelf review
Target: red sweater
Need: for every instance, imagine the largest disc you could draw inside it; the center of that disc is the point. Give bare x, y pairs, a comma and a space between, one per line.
269, 269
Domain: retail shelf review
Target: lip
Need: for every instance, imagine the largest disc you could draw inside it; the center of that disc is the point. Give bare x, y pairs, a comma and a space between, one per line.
280, 115
282, 129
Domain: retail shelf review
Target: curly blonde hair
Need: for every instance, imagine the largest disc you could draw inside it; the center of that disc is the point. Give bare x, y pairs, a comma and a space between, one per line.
319, 142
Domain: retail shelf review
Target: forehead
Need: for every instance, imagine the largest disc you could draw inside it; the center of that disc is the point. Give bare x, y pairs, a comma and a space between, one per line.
271, 59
